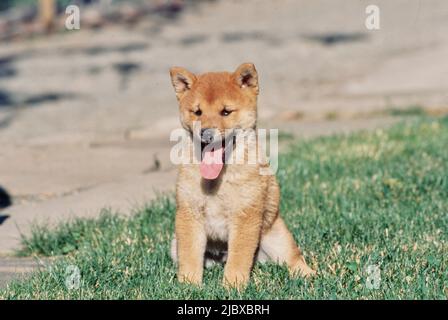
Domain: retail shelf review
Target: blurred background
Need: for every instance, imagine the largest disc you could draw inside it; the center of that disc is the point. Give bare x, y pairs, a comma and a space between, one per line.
85, 115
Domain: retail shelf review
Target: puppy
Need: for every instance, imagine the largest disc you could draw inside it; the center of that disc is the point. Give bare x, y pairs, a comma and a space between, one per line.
226, 212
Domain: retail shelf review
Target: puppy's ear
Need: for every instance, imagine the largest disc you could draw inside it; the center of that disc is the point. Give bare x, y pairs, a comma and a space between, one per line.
246, 76
182, 80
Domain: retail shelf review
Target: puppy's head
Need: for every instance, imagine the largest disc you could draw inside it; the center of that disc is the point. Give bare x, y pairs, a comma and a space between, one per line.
219, 102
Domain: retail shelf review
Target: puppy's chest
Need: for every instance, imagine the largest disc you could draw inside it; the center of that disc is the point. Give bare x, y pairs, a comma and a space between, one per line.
219, 206
217, 220
218, 211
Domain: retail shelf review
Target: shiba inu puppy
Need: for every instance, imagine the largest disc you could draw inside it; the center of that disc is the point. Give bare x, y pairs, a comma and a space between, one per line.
226, 212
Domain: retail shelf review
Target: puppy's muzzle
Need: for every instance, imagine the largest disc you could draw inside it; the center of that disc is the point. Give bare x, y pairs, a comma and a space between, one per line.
209, 135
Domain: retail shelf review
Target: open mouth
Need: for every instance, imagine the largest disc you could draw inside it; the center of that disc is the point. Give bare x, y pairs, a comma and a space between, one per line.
215, 154
212, 159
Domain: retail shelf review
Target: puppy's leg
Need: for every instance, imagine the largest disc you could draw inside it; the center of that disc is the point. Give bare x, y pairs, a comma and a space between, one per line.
191, 242
279, 245
173, 250
244, 236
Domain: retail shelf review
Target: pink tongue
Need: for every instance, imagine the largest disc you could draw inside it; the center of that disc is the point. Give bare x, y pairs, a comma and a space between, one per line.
211, 164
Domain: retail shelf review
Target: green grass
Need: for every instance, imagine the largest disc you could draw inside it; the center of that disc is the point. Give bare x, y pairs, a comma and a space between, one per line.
403, 112
378, 198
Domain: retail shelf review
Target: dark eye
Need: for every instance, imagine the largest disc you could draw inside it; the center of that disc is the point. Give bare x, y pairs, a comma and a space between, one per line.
225, 112
198, 112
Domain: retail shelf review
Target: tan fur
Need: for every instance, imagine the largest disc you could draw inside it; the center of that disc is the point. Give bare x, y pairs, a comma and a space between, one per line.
241, 207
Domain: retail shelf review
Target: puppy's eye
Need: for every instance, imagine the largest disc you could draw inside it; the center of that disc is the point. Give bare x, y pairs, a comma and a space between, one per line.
225, 112
197, 112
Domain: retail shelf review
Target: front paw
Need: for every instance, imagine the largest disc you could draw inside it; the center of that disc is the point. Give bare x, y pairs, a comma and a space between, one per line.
235, 280
190, 278
301, 269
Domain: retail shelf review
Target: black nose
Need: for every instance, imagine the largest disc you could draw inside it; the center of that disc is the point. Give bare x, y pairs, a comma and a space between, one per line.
207, 135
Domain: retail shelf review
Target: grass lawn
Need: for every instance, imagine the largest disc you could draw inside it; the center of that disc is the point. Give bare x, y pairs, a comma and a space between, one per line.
375, 199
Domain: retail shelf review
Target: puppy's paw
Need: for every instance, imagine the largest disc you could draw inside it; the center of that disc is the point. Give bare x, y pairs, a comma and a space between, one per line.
301, 269
235, 280
190, 278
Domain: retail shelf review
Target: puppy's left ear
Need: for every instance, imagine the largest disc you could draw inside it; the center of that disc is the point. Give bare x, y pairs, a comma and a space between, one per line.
246, 76
182, 80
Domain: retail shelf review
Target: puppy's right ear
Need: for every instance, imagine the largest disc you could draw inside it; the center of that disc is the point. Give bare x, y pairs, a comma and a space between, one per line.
182, 80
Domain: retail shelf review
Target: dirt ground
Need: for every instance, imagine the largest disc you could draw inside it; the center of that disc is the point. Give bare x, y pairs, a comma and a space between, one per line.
85, 116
